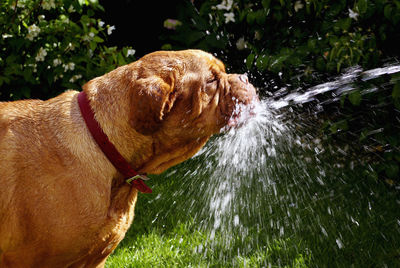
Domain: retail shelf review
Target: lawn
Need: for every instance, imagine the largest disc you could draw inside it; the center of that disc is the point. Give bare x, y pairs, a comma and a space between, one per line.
300, 209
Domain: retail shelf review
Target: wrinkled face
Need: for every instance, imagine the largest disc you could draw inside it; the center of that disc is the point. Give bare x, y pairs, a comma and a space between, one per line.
182, 98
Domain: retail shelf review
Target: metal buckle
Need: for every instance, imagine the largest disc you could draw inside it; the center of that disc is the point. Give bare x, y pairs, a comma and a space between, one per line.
143, 177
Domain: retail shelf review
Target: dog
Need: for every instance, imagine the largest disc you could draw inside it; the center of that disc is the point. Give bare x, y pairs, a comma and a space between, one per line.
63, 202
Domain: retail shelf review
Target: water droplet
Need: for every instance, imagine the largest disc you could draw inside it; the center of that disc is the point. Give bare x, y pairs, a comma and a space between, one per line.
339, 243
236, 220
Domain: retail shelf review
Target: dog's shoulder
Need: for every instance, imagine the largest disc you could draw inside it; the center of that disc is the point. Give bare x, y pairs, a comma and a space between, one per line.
16, 111
3, 126
4, 119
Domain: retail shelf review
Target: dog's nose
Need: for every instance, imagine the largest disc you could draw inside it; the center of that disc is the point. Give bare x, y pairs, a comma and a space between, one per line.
244, 78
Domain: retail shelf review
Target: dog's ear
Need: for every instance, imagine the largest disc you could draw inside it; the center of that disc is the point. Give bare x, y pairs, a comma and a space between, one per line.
151, 99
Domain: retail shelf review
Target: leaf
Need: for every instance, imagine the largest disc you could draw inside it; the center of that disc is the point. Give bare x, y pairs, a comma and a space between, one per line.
250, 60
276, 63
26, 92
93, 46
355, 98
393, 140
397, 157
194, 37
339, 126
397, 103
387, 12
363, 135
266, 3
320, 64
261, 17
396, 91
392, 170
344, 24
121, 59
262, 62
98, 39
278, 15
362, 6
339, 65
251, 17
333, 128
166, 47
343, 125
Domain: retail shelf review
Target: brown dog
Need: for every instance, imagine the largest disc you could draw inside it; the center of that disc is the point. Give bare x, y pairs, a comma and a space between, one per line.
62, 203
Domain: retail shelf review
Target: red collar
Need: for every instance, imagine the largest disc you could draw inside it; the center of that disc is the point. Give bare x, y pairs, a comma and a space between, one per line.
131, 176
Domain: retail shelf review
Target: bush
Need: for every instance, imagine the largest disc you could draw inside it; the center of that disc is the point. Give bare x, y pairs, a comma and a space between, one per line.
291, 37
49, 46
297, 43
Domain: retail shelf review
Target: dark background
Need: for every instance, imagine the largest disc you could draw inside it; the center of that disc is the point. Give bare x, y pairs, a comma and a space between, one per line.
139, 24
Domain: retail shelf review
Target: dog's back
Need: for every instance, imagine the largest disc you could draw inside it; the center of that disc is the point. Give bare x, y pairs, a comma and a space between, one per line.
16, 123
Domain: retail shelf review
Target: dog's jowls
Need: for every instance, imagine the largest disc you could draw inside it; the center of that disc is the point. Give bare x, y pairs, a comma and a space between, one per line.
62, 203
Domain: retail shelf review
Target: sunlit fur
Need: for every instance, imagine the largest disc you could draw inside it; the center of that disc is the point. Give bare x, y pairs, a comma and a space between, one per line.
62, 204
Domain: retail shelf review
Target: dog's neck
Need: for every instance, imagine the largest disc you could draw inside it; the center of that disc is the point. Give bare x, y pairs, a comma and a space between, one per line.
136, 148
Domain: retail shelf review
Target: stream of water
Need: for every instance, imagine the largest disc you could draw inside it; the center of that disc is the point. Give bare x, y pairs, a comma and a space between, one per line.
275, 186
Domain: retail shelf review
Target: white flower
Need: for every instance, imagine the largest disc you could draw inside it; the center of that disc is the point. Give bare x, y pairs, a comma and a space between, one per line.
33, 31
110, 29
88, 37
41, 17
257, 35
69, 66
298, 5
75, 77
6, 36
172, 24
353, 15
56, 62
225, 5
101, 23
229, 17
70, 47
130, 52
241, 44
20, 4
48, 4
41, 54
33, 66
71, 9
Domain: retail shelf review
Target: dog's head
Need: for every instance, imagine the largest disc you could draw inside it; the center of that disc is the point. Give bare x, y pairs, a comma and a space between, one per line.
175, 99
182, 98
188, 91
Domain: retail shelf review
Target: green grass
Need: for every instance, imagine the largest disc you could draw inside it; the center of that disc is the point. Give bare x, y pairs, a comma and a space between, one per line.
165, 233
183, 247
348, 220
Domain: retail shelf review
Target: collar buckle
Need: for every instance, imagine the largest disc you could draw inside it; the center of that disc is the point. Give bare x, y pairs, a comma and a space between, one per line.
142, 177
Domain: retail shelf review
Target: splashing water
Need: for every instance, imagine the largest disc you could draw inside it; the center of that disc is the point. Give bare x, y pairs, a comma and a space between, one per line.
340, 86
274, 192
249, 148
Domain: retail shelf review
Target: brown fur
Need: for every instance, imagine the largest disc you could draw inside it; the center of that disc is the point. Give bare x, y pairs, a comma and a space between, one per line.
62, 203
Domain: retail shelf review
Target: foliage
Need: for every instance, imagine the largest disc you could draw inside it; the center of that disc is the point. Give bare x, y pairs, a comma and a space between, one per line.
290, 36
295, 44
49, 46
369, 119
